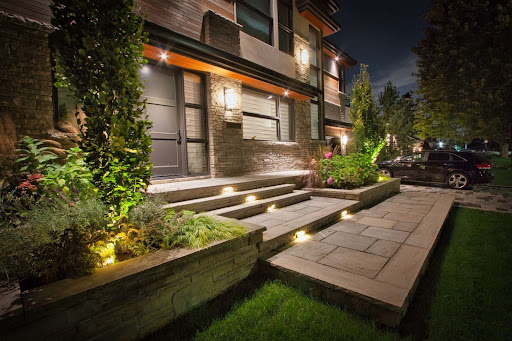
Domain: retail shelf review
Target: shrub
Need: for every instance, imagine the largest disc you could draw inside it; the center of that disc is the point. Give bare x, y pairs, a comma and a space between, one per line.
501, 162
53, 242
352, 171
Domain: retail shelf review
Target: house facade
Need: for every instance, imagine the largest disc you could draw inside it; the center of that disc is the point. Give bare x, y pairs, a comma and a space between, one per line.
232, 87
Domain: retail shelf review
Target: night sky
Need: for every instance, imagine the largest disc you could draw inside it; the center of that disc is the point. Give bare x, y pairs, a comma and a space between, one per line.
381, 34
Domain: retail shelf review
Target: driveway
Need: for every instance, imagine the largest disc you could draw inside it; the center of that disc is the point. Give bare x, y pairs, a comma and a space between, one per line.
488, 198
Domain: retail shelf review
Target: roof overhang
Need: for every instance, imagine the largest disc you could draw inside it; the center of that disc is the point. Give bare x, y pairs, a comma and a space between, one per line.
334, 52
319, 14
337, 124
193, 54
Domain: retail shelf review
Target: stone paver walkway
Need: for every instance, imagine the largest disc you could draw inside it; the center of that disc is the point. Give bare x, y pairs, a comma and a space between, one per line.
486, 198
373, 259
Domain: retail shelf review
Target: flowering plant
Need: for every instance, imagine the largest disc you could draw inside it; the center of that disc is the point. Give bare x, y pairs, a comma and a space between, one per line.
352, 171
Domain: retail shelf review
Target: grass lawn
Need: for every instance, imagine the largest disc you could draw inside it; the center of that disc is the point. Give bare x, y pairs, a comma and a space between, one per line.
502, 177
465, 295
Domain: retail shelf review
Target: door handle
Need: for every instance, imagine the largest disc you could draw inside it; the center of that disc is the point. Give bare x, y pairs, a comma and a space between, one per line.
179, 137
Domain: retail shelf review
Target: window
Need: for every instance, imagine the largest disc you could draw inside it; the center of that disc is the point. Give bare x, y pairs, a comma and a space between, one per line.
195, 122
438, 157
266, 116
342, 78
414, 157
285, 20
255, 18
315, 119
314, 48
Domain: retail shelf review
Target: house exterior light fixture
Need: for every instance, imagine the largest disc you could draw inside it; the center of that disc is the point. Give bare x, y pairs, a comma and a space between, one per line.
229, 98
163, 56
304, 57
286, 93
344, 139
336, 58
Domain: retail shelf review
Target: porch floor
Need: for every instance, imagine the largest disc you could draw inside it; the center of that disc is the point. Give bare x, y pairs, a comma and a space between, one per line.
371, 261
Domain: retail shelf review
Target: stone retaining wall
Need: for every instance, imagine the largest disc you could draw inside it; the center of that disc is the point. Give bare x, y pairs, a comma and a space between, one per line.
367, 196
131, 299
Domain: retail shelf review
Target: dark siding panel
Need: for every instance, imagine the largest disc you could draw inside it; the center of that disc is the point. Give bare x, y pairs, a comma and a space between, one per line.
33, 9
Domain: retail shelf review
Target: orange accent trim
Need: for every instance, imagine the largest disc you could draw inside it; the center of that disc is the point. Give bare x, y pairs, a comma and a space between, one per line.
155, 53
326, 31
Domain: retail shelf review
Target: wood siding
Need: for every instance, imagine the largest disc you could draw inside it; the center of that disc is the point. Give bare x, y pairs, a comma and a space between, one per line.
331, 89
182, 16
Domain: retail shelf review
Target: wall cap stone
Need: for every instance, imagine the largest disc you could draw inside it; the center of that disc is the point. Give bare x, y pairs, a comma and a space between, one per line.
30, 22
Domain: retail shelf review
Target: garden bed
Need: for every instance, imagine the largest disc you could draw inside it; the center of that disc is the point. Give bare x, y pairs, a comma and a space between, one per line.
367, 195
130, 299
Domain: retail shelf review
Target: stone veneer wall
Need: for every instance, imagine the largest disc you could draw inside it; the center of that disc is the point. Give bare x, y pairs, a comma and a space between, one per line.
134, 298
25, 84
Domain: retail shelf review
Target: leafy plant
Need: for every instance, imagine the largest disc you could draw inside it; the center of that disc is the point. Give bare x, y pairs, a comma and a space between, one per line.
352, 171
100, 48
34, 155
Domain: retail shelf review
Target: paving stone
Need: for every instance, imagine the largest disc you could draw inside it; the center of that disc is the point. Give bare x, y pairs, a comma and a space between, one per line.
348, 226
410, 218
272, 222
376, 290
372, 213
311, 250
405, 226
380, 222
383, 248
322, 234
404, 267
349, 240
386, 234
285, 215
356, 262
394, 208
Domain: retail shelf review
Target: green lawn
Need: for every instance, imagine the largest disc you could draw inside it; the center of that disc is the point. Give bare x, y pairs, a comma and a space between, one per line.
465, 294
502, 177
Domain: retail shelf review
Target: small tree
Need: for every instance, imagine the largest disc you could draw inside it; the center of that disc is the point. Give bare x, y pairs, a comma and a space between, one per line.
368, 128
100, 48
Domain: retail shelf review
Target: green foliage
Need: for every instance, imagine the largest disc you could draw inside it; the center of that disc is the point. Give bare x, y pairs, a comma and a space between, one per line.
398, 117
198, 231
500, 162
72, 180
465, 70
100, 47
368, 128
34, 156
53, 242
351, 171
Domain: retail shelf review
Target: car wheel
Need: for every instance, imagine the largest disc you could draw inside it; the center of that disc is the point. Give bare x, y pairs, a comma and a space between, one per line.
458, 180
386, 172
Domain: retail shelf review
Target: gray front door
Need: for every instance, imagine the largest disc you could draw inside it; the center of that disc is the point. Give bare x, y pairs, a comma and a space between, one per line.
164, 111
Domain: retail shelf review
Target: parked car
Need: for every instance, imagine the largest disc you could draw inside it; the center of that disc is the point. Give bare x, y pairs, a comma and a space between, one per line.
456, 169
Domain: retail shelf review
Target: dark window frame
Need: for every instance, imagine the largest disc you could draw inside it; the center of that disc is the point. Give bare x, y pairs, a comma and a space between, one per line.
316, 48
287, 29
277, 118
261, 13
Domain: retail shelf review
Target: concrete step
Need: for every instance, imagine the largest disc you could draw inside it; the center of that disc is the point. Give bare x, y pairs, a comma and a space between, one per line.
250, 209
230, 199
280, 235
195, 189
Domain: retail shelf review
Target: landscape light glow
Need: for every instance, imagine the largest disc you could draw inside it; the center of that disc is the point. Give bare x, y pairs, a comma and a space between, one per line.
250, 198
301, 236
271, 208
227, 190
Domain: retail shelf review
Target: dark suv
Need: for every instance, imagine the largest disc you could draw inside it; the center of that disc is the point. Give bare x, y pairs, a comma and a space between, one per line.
456, 169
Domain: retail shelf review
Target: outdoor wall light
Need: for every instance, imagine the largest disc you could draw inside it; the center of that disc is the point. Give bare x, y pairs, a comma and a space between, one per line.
286, 93
304, 57
229, 98
163, 56
336, 58
344, 139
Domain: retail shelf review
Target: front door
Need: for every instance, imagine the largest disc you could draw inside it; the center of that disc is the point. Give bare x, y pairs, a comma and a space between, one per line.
163, 110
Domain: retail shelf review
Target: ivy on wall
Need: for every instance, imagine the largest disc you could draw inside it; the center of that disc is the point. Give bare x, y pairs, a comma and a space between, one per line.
99, 45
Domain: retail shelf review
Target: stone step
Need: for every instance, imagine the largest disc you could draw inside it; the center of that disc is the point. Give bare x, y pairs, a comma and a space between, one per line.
250, 209
195, 189
280, 235
230, 199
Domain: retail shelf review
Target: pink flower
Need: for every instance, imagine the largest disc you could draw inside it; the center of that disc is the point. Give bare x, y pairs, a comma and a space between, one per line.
328, 155
330, 181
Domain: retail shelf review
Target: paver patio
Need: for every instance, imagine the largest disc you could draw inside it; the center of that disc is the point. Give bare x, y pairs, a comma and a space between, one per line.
371, 261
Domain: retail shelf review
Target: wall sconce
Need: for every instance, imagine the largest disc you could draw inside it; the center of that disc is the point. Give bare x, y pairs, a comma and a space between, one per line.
229, 98
304, 57
344, 139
